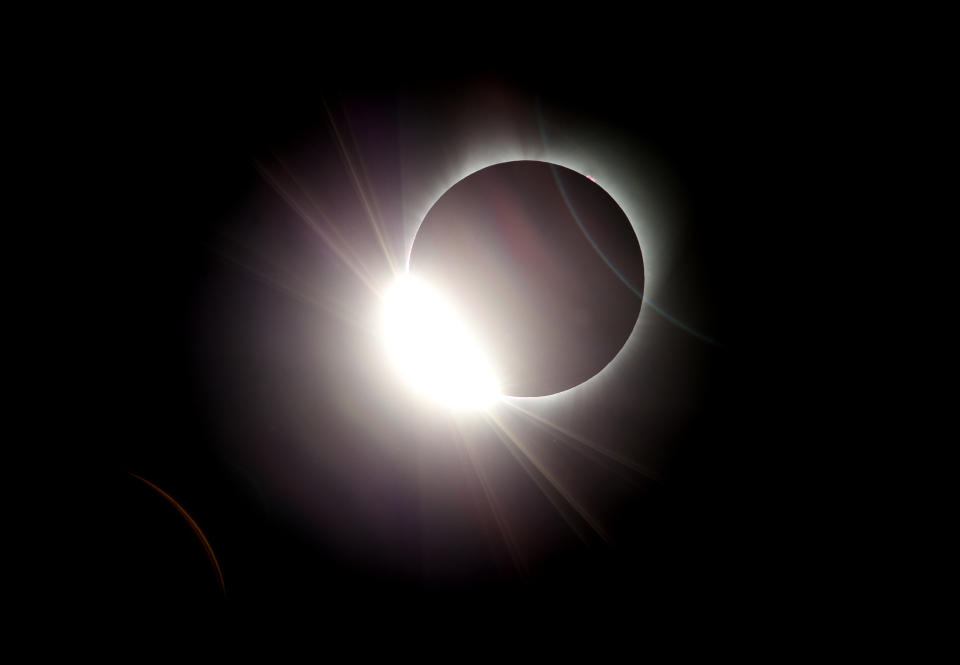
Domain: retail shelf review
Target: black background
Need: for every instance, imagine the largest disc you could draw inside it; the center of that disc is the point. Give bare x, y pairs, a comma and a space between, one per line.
164, 146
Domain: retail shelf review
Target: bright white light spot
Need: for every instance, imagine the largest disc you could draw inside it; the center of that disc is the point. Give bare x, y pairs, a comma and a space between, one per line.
433, 351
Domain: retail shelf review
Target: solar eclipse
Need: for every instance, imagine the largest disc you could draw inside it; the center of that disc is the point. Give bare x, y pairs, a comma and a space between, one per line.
544, 266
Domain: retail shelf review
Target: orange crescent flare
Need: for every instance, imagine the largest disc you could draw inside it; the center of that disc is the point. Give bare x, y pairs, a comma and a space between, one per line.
196, 529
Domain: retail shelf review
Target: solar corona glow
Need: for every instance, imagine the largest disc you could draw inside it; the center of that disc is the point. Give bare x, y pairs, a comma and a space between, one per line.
432, 350
452, 340
545, 267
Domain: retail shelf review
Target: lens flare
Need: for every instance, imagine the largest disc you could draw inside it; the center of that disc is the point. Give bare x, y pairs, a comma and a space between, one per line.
432, 350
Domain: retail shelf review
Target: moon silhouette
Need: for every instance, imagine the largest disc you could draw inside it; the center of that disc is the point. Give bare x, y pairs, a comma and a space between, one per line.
542, 264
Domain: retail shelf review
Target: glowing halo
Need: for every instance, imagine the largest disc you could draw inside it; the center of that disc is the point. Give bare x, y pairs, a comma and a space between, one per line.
653, 239
433, 351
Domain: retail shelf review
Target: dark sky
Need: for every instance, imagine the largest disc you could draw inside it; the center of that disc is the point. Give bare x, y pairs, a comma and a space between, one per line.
222, 359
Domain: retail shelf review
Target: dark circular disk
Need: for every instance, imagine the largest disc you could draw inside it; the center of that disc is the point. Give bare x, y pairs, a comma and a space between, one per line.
542, 265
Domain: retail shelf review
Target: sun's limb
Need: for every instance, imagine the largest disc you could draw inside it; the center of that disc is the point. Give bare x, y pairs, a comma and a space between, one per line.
433, 351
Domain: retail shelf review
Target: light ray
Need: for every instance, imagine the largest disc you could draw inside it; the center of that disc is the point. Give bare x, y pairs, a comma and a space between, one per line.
334, 229
546, 481
569, 435
330, 307
495, 510
357, 269
372, 192
358, 186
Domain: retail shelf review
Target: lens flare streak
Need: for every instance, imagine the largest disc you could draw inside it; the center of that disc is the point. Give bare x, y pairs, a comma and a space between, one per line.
365, 199
567, 435
551, 487
207, 548
325, 230
496, 510
328, 305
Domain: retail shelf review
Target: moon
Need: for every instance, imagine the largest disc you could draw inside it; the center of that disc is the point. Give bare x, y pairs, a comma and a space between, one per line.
542, 264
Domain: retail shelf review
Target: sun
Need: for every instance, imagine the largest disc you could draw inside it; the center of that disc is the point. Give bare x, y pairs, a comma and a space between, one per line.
432, 350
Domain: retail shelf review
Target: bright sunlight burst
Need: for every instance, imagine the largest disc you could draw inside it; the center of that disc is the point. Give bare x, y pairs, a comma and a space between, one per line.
433, 351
